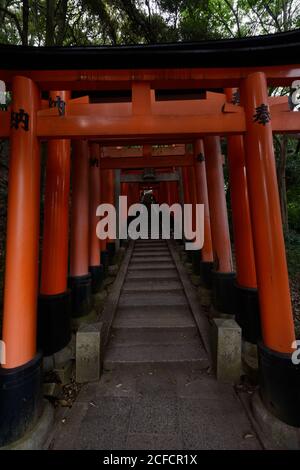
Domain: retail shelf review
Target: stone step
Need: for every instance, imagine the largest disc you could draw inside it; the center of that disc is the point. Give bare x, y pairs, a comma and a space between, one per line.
138, 285
153, 335
156, 354
153, 298
151, 259
151, 266
154, 317
133, 274
150, 253
150, 244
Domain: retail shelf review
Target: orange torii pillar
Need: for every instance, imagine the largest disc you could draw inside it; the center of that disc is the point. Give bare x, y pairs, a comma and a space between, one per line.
108, 197
279, 376
54, 312
21, 372
223, 277
80, 278
187, 196
123, 212
171, 199
194, 255
133, 198
103, 243
95, 266
247, 306
207, 256
174, 192
185, 183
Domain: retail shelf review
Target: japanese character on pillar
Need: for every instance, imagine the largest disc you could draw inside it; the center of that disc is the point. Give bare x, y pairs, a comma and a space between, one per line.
262, 114
20, 118
94, 162
200, 157
59, 104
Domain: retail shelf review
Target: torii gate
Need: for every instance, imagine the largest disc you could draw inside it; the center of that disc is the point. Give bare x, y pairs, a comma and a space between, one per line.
248, 126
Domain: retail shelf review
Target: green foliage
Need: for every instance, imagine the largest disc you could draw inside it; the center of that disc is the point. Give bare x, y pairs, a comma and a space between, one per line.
81, 22
293, 184
292, 243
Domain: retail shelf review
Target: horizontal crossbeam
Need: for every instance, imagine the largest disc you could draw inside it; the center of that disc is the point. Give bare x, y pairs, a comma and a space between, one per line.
157, 178
124, 163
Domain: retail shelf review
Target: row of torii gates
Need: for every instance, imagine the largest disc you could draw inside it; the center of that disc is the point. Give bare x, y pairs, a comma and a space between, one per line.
105, 156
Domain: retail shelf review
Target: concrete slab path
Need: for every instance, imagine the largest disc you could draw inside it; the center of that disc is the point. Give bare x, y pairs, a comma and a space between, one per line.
156, 391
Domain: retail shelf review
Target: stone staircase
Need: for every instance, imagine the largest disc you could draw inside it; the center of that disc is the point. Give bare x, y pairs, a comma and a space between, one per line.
153, 323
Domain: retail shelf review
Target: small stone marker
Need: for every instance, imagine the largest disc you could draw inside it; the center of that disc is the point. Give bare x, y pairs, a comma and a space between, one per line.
227, 345
88, 339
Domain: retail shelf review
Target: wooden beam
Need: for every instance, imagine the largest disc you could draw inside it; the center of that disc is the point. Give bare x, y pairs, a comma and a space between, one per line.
168, 126
158, 177
170, 78
145, 162
121, 151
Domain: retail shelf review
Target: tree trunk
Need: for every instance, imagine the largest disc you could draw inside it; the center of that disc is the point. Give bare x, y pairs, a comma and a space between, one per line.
50, 11
62, 15
25, 21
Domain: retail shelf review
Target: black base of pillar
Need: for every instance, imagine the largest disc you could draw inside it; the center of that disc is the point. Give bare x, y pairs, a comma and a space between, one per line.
81, 287
189, 255
97, 274
20, 399
111, 248
247, 313
196, 259
104, 262
224, 294
205, 269
280, 385
54, 322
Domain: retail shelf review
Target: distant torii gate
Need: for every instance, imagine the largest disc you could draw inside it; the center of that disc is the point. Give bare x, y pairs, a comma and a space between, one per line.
259, 243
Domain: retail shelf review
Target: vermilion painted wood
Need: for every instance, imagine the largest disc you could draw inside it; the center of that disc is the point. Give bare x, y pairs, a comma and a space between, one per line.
79, 249
217, 205
107, 187
175, 78
56, 214
115, 121
145, 162
21, 268
173, 127
270, 258
170, 150
242, 230
94, 201
185, 183
202, 198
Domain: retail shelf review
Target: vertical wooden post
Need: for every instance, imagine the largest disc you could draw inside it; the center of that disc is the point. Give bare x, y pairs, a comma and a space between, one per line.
108, 196
95, 267
117, 194
279, 376
54, 312
80, 278
222, 275
207, 257
247, 307
20, 375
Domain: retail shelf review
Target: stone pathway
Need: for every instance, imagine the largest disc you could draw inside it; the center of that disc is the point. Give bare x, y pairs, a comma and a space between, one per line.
156, 391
